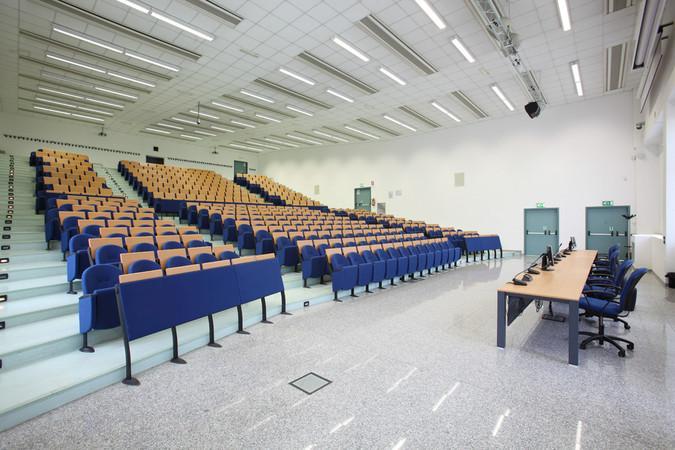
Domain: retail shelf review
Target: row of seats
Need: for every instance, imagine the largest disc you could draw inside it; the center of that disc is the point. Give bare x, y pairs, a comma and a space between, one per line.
273, 192
66, 173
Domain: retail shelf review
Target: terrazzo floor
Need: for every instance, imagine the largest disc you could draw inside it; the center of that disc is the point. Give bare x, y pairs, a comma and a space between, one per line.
415, 366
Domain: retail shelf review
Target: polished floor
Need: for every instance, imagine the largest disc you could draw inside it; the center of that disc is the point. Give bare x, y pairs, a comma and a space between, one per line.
414, 366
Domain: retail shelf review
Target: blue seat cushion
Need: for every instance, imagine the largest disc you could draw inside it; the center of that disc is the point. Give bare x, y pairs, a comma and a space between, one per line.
603, 307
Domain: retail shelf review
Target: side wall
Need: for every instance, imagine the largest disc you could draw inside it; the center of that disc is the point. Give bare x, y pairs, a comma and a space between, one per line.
570, 157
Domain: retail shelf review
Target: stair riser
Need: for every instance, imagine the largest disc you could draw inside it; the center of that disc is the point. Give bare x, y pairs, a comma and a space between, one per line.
43, 290
27, 274
25, 319
53, 255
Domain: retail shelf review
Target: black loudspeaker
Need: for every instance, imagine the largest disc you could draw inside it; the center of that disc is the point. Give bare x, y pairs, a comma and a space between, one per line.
532, 109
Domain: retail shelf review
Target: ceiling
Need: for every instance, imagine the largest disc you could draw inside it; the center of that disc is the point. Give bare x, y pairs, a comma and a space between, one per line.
41, 39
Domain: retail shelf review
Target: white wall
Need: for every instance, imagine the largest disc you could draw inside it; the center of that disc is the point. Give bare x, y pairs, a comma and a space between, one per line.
570, 157
64, 130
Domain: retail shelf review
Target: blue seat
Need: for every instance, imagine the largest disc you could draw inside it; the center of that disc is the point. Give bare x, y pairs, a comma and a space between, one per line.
143, 265
344, 275
215, 225
379, 267
192, 215
245, 238
229, 230
313, 264
365, 270
94, 230
68, 230
402, 262
264, 243
204, 258
52, 228
390, 264
412, 260
144, 233
170, 245
144, 247
227, 254
203, 219
177, 261
98, 304
78, 258
287, 253
109, 254
197, 243
169, 233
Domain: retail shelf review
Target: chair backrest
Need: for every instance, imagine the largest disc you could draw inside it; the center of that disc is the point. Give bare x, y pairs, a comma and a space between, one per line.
309, 251
164, 255
108, 254
79, 242
338, 261
620, 277
202, 258
144, 247
172, 245
629, 290
196, 243
228, 254
99, 277
177, 261
368, 256
127, 259
143, 265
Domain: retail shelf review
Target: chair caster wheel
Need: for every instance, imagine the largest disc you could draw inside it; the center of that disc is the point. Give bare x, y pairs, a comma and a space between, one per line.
622, 353
582, 346
630, 346
627, 327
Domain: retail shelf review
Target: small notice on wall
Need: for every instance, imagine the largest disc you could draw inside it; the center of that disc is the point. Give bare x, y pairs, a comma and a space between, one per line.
608, 203
540, 205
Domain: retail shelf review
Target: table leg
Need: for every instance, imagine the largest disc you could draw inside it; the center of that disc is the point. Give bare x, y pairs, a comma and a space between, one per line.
501, 319
573, 323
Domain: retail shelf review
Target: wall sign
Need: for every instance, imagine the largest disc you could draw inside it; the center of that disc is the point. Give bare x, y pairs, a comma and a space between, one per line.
540, 205
608, 203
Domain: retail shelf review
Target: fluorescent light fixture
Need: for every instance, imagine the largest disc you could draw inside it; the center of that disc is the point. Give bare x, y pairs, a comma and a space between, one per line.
577, 78
205, 133
41, 108
338, 95
223, 105
135, 6
243, 124
433, 15
178, 119
82, 116
191, 137
356, 130
398, 122
276, 141
222, 129
98, 111
53, 91
501, 96
121, 94
132, 79
101, 102
268, 118
55, 102
459, 45
445, 111
75, 63
244, 147
155, 130
259, 97
564, 11
200, 114
299, 138
151, 61
337, 138
273, 147
170, 126
351, 49
392, 76
65, 79
86, 39
296, 76
183, 27
299, 110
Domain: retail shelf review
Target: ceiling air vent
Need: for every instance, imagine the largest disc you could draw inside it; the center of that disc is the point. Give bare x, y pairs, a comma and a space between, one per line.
217, 10
385, 35
335, 72
469, 104
615, 64
419, 116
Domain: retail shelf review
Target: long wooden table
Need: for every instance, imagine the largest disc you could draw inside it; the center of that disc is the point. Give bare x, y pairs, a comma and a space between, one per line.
564, 284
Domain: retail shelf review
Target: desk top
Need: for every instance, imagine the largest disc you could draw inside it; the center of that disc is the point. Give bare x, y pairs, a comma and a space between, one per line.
565, 282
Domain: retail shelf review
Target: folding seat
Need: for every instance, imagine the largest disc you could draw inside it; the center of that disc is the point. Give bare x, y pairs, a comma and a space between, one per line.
322, 248
182, 211
245, 238
98, 304
197, 243
229, 230
287, 253
433, 258
227, 254
365, 270
192, 215
78, 258
109, 254
412, 261
421, 259
143, 265
379, 267
94, 230
52, 228
203, 258
177, 261
203, 219
313, 264
263, 242
445, 254
344, 275
215, 225
168, 232
68, 230
391, 265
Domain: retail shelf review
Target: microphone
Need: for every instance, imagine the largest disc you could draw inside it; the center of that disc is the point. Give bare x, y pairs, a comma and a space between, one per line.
557, 257
518, 282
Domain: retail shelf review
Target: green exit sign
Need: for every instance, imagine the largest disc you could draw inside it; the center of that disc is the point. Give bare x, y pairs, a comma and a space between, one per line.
540, 205
608, 203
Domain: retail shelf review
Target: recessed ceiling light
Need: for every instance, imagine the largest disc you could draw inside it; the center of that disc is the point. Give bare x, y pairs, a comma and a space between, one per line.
135, 6
53, 102
296, 76
433, 15
564, 15
351, 49
86, 39
577, 78
259, 97
101, 102
223, 105
392, 76
222, 129
97, 111
243, 124
502, 97
263, 145
276, 141
42, 108
170, 126
356, 130
245, 147
182, 26
268, 118
398, 122
459, 45
337, 138
300, 138
75, 63
205, 133
82, 116
338, 95
155, 130
178, 119
191, 137
299, 110
132, 79
121, 94
151, 61
53, 91
199, 114
445, 111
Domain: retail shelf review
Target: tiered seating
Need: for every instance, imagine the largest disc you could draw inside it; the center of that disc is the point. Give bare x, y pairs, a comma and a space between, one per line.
274, 192
166, 187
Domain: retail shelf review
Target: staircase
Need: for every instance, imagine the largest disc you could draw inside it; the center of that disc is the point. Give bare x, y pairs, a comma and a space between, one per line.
115, 181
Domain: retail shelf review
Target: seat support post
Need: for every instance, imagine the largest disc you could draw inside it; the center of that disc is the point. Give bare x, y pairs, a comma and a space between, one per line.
174, 338
240, 321
212, 341
263, 304
85, 345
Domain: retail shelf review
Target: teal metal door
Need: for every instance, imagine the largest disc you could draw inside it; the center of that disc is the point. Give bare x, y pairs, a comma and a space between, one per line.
541, 229
240, 167
606, 226
362, 198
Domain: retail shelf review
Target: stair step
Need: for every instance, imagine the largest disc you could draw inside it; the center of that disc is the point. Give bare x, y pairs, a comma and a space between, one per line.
30, 270
20, 289
27, 256
33, 309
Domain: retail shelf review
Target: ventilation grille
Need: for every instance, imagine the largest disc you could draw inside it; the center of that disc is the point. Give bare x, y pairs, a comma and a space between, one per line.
346, 133
292, 93
334, 71
217, 10
615, 64
255, 105
377, 126
469, 104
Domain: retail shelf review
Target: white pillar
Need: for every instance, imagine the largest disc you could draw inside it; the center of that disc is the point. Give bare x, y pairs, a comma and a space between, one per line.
669, 182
